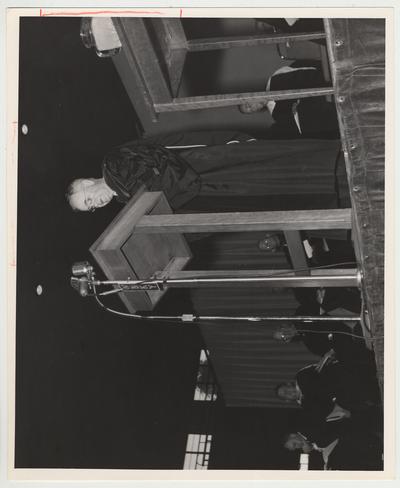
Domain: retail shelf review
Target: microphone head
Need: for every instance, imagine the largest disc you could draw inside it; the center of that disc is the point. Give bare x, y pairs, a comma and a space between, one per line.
75, 283
82, 268
81, 285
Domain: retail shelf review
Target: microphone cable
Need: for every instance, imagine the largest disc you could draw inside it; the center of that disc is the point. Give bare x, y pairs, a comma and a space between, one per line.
195, 319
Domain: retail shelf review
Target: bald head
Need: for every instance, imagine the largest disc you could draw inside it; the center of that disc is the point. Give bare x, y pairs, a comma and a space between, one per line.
295, 441
88, 194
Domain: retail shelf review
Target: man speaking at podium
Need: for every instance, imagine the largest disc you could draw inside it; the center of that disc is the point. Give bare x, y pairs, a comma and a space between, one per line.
218, 171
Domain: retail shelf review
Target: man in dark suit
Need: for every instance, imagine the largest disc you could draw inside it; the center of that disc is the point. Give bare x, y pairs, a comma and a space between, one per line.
318, 337
321, 336
312, 117
330, 391
341, 446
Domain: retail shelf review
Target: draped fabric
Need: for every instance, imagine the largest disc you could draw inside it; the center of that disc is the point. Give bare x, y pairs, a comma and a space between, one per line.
266, 167
126, 168
248, 363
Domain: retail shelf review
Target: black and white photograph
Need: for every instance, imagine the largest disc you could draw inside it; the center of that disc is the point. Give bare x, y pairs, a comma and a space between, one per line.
197, 239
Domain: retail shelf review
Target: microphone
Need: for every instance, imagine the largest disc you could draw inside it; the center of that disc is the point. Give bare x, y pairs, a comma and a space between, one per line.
82, 268
81, 285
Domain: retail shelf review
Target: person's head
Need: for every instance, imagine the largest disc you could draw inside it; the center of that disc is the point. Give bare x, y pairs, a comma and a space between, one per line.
295, 441
284, 332
88, 194
271, 243
252, 107
287, 391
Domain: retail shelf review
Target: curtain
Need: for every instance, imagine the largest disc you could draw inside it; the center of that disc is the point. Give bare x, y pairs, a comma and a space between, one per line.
247, 361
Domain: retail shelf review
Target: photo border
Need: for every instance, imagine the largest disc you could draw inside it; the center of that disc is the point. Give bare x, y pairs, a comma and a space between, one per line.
12, 66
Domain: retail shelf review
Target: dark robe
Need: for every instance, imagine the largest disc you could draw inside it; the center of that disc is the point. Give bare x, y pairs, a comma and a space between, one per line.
317, 393
320, 337
230, 169
336, 383
301, 25
357, 451
359, 447
127, 168
361, 451
359, 440
317, 116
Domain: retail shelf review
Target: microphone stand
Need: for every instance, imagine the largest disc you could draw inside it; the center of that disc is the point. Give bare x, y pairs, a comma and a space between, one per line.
85, 284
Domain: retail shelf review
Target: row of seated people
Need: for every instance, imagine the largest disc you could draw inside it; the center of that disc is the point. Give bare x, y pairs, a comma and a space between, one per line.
345, 338
340, 419
319, 337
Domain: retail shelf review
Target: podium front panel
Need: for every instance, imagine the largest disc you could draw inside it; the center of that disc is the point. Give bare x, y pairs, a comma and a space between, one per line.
123, 255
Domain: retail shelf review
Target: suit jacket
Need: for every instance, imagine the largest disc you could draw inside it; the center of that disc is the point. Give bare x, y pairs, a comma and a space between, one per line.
320, 337
311, 111
317, 393
314, 427
350, 389
323, 336
358, 449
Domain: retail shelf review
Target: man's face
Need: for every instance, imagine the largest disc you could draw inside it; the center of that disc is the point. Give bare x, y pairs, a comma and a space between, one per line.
270, 243
296, 442
88, 196
288, 392
284, 333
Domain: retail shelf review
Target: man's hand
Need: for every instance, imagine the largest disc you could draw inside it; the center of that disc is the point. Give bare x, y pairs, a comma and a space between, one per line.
338, 413
327, 358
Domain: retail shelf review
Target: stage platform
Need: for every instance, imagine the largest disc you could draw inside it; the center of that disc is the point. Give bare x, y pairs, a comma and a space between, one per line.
356, 49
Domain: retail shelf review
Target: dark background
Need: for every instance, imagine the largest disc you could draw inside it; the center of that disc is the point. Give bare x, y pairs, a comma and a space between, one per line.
94, 390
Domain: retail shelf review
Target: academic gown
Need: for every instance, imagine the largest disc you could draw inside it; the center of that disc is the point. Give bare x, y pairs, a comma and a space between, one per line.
228, 169
320, 337
337, 383
317, 116
358, 447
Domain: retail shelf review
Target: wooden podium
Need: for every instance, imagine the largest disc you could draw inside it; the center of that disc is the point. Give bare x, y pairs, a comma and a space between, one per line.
145, 241
122, 253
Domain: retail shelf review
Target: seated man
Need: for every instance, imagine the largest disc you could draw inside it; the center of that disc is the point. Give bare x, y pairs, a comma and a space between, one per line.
330, 391
310, 117
208, 167
318, 454
334, 247
345, 338
318, 337
346, 446
313, 394
317, 301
